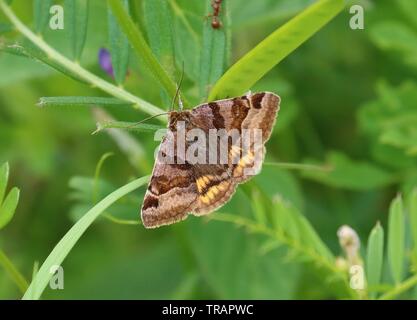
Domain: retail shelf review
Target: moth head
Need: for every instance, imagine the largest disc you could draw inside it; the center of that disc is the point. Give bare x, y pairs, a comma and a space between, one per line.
175, 117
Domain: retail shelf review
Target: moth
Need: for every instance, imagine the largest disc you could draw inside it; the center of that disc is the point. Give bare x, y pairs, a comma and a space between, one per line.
180, 187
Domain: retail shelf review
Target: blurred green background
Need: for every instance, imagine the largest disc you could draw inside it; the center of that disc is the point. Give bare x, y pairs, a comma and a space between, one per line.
349, 99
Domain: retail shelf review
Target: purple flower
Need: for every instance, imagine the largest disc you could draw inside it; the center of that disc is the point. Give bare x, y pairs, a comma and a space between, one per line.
104, 59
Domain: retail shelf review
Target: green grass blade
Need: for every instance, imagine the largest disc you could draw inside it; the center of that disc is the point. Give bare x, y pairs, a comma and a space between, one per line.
81, 101
4, 178
396, 239
13, 272
141, 48
8, 207
41, 14
375, 257
213, 54
76, 21
64, 246
119, 47
413, 219
267, 54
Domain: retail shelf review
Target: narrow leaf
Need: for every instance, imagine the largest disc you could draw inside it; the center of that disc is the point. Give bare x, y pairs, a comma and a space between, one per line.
76, 21
396, 239
64, 246
213, 54
374, 258
159, 27
77, 101
4, 177
119, 47
267, 54
142, 49
41, 14
8, 207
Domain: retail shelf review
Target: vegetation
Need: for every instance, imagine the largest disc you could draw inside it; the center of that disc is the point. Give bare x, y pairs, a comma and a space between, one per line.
336, 201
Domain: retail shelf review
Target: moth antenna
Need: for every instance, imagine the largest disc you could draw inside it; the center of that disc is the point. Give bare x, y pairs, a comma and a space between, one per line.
177, 93
147, 119
180, 102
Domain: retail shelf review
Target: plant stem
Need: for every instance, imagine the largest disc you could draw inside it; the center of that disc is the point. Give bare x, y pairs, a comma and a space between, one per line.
76, 68
400, 288
14, 274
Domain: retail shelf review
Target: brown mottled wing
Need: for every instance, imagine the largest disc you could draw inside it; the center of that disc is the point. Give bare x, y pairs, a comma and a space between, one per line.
262, 114
171, 192
214, 186
216, 183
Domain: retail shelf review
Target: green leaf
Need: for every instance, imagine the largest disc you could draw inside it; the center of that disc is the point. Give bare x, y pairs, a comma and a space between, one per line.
349, 174
375, 257
64, 246
187, 40
4, 178
142, 49
119, 47
76, 21
267, 54
213, 54
413, 219
77, 101
41, 14
8, 207
159, 27
396, 239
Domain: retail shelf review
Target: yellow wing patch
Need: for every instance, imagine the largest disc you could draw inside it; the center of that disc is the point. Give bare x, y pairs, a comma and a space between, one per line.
214, 192
243, 163
203, 182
